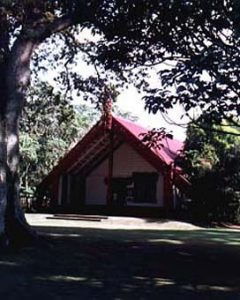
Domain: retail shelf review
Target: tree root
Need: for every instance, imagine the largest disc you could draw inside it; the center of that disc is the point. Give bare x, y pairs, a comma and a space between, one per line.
19, 234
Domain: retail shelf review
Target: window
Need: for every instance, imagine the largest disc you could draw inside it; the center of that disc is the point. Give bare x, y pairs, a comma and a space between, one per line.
145, 187
119, 190
140, 188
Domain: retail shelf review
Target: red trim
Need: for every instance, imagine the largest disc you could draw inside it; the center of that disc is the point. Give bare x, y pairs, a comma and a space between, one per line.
129, 132
142, 149
165, 149
71, 157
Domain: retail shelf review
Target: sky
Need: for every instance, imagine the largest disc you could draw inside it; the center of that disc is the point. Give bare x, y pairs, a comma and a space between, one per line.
130, 99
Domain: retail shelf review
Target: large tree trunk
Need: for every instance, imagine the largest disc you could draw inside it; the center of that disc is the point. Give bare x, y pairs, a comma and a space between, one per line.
13, 225
3, 179
14, 81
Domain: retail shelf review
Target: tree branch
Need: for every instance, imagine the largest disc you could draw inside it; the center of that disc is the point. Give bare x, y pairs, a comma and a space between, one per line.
201, 126
44, 29
61, 24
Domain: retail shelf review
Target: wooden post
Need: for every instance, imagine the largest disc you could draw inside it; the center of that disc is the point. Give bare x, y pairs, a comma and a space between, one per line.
168, 193
107, 119
110, 170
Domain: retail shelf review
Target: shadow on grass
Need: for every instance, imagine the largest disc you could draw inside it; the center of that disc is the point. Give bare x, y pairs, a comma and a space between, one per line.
83, 263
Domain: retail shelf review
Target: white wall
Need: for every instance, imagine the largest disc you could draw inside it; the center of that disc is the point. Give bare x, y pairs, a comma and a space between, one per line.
125, 161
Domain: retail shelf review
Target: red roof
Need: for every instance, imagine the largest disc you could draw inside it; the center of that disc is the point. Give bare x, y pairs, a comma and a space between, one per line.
168, 148
93, 148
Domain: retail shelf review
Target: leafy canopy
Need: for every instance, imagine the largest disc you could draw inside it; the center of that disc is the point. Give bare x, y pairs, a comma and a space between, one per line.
200, 42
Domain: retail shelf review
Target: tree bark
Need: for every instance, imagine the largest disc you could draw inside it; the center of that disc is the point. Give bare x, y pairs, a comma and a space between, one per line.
14, 82
14, 228
3, 179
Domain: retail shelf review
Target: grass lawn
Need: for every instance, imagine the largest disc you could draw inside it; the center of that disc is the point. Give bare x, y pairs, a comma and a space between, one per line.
83, 263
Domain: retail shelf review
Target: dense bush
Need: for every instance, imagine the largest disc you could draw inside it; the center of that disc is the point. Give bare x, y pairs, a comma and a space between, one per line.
212, 162
50, 124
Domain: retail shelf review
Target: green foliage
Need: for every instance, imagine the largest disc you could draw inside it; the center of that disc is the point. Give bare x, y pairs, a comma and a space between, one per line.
200, 41
212, 164
49, 125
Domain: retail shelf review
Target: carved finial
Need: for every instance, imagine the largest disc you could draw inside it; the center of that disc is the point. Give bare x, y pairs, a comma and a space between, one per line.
107, 111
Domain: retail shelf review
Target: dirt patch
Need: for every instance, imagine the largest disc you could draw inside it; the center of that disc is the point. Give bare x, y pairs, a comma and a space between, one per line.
110, 223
